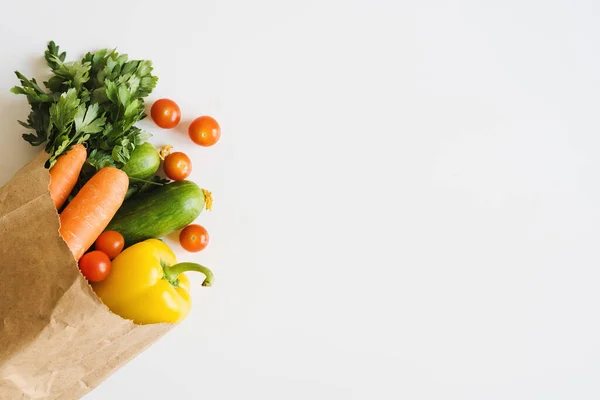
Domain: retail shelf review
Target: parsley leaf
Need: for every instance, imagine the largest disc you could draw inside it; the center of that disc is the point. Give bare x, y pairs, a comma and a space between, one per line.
100, 159
53, 53
62, 113
87, 120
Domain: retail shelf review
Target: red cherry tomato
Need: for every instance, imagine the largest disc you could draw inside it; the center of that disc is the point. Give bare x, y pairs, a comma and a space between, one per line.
165, 113
177, 166
110, 243
95, 266
193, 238
204, 131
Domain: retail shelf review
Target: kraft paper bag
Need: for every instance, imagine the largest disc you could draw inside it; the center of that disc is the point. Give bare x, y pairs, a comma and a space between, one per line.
57, 339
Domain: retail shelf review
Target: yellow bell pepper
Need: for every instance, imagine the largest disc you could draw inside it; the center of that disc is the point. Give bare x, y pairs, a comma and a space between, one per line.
147, 285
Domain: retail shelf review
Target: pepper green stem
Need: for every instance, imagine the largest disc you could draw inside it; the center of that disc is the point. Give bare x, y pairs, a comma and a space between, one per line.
172, 272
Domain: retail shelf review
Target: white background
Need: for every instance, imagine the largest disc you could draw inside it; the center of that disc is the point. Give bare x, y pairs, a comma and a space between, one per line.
407, 199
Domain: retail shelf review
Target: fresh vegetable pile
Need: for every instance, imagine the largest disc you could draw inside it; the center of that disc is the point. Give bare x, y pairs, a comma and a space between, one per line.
113, 203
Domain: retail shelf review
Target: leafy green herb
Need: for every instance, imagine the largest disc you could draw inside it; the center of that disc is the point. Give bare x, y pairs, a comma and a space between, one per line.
95, 101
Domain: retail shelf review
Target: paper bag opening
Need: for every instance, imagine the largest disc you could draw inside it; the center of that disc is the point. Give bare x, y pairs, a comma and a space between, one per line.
57, 339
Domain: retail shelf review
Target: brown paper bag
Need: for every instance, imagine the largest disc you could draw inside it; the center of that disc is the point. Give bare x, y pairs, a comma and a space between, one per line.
57, 339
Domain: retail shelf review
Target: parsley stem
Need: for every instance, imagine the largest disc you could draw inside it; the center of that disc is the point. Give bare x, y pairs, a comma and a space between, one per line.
146, 181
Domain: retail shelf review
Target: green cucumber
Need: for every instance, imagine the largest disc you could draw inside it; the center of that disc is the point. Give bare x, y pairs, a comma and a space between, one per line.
143, 163
160, 212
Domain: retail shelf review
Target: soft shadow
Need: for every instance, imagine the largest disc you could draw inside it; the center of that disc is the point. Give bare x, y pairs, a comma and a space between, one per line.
174, 236
183, 125
40, 70
16, 152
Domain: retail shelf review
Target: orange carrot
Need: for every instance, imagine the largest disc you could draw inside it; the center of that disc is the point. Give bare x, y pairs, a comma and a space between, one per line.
64, 174
90, 211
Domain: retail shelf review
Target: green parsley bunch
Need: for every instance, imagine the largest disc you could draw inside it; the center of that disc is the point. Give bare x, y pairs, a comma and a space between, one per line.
95, 101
